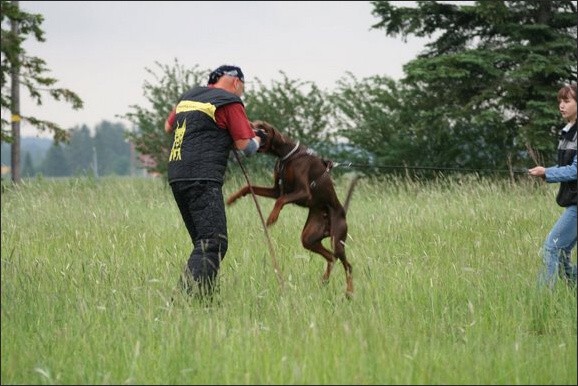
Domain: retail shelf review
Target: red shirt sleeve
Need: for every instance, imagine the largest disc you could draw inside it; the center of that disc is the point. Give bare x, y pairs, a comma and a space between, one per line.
171, 118
233, 118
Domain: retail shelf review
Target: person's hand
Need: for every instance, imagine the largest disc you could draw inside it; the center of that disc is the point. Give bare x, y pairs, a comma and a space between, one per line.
538, 171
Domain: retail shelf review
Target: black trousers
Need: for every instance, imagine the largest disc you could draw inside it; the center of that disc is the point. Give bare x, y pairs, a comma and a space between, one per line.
203, 210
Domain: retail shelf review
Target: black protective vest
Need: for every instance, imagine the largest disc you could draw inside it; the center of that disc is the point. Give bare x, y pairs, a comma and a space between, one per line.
200, 148
566, 153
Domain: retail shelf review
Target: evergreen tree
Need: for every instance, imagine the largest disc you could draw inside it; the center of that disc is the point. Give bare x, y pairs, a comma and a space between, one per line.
28, 169
19, 69
112, 149
5, 153
56, 164
79, 151
33, 69
484, 90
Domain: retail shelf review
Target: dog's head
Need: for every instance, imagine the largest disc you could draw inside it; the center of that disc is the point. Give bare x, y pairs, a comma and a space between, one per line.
270, 134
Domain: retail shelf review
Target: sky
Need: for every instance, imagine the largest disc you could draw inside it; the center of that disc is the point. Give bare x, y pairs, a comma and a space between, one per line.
101, 49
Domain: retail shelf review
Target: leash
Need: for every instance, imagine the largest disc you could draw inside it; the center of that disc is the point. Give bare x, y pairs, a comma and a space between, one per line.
352, 165
269, 243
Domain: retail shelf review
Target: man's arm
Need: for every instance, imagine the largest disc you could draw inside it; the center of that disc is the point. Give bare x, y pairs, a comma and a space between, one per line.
234, 118
170, 121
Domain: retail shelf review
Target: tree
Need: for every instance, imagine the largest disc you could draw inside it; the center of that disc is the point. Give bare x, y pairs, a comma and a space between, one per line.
55, 163
149, 136
5, 154
370, 113
28, 71
298, 108
490, 77
28, 169
79, 151
112, 149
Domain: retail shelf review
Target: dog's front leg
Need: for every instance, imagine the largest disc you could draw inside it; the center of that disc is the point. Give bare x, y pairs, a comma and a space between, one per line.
258, 190
238, 194
286, 199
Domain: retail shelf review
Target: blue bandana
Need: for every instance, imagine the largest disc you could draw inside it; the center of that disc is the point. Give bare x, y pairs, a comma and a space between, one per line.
226, 70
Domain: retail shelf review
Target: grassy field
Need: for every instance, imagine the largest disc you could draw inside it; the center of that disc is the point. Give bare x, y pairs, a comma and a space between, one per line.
445, 280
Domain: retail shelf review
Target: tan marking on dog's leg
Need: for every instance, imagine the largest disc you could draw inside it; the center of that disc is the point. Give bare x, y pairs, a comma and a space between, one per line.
327, 273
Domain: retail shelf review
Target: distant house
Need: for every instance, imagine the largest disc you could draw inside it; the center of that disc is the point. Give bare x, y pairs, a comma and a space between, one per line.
5, 169
146, 163
143, 162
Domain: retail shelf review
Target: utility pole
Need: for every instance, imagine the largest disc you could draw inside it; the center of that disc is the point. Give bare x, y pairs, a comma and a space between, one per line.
15, 109
94, 162
132, 158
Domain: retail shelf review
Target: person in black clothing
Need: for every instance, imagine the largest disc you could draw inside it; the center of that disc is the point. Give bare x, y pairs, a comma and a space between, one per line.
562, 238
206, 123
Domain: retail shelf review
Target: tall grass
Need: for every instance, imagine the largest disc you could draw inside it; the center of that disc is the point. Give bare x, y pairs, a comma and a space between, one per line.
445, 280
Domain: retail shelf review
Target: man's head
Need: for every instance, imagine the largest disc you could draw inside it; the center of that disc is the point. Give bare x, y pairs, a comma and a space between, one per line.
226, 70
230, 78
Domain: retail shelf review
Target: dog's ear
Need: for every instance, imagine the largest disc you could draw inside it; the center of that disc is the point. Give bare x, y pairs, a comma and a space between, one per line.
257, 124
267, 126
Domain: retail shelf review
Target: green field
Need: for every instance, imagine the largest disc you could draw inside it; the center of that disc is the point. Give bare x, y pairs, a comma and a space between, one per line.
445, 280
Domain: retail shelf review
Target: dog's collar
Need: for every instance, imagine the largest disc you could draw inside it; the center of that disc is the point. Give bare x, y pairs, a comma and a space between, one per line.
291, 152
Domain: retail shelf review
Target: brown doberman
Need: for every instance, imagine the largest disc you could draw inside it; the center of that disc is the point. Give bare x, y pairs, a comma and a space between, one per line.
301, 177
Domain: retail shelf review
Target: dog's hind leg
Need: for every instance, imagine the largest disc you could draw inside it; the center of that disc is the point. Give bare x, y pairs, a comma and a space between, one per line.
316, 229
340, 248
338, 237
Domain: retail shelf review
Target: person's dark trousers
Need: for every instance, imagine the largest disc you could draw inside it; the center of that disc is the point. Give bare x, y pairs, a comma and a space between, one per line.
203, 210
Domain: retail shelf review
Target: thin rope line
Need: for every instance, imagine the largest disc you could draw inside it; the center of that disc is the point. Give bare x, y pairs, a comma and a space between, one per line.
269, 243
352, 165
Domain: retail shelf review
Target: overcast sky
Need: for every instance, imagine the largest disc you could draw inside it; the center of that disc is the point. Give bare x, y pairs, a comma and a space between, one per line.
101, 49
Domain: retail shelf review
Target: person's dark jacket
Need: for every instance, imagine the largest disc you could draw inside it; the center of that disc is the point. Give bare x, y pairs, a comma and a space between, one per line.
200, 148
565, 170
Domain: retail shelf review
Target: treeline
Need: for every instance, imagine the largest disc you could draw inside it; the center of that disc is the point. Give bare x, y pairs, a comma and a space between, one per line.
107, 152
481, 95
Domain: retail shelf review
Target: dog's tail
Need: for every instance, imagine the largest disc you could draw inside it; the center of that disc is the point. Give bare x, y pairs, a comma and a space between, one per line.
350, 191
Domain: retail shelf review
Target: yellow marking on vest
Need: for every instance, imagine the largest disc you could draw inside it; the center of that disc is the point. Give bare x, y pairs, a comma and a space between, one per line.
206, 108
179, 135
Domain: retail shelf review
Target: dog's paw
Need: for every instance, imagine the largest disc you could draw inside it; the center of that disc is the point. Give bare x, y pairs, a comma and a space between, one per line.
271, 220
232, 199
238, 194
